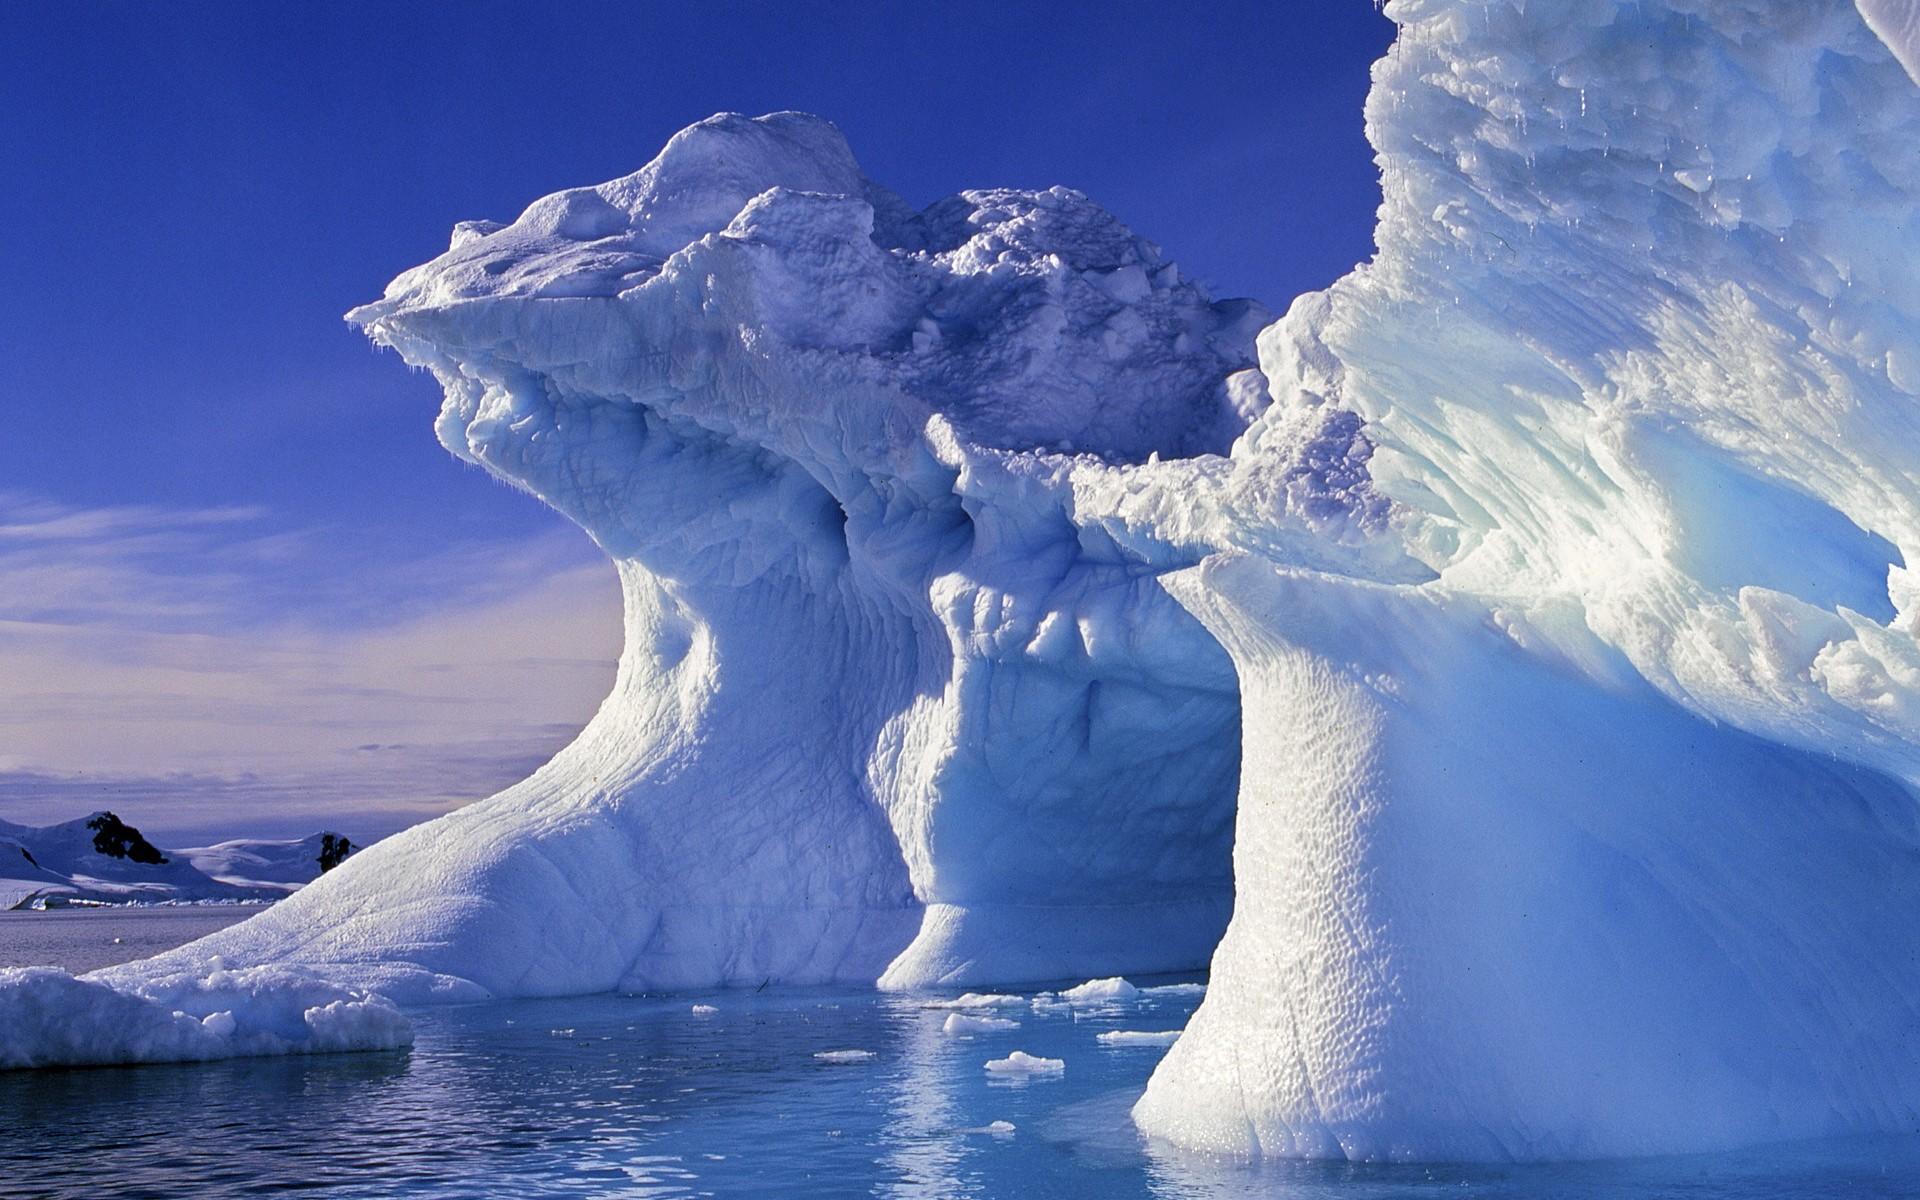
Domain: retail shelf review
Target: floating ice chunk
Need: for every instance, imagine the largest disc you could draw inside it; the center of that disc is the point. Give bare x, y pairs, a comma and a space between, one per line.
1022, 1063
1138, 1037
1047, 1004
996, 1128
1101, 991
704, 1010
979, 1000
844, 1056
963, 1023
1175, 989
49, 1018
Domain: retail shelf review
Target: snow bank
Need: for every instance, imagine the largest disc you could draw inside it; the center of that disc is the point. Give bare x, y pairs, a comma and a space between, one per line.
49, 1018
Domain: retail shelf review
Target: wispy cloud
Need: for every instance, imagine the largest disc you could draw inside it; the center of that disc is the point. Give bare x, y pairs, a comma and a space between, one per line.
209, 673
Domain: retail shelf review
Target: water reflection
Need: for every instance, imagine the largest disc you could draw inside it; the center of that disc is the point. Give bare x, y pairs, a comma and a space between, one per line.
640, 1096
925, 1152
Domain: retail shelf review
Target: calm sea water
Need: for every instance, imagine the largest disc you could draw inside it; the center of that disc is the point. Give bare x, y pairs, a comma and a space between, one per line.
86, 939
641, 1096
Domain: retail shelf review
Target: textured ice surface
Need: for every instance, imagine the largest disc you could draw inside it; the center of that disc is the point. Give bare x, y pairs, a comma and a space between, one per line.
1544, 589
1603, 840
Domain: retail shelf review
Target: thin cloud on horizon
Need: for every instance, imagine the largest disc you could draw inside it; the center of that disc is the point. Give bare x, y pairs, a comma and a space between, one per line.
210, 675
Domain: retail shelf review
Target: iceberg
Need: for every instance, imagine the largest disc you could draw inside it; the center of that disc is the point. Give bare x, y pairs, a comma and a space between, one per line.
1516, 639
877, 668
1601, 841
48, 1018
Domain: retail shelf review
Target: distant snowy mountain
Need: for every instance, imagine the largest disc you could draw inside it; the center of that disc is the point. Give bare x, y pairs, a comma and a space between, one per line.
102, 859
282, 866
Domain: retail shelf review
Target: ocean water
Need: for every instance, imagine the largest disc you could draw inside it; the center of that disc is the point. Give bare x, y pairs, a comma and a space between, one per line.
642, 1096
86, 939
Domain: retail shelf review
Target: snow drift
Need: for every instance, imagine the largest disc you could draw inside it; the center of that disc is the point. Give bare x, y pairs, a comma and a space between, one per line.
1542, 593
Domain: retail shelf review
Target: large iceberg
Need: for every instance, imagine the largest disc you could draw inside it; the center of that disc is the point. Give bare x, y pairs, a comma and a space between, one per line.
1517, 636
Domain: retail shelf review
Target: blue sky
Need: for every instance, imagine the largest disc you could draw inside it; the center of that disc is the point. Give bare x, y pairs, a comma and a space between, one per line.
241, 588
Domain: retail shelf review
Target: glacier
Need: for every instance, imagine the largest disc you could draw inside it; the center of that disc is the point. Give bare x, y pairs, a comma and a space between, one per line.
1501, 669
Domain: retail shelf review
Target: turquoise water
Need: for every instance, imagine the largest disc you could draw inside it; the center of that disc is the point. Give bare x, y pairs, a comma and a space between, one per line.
641, 1096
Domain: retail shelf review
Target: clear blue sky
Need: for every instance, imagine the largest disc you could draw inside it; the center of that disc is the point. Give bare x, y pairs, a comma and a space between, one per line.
204, 470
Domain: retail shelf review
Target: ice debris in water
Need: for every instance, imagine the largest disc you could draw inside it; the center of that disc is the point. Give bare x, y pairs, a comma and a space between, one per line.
844, 1056
957, 1023
50, 1018
1101, 991
704, 1010
1175, 989
1135, 1037
1022, 1063
979, 1000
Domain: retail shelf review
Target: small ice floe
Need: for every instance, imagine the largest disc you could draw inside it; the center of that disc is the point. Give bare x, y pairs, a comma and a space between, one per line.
1139, 1037
1101, 991
704, 1010
1022, 1063
561, 1032
996, 1128
1175, 989
843, 1056
1046, 1004
957, 1023
979, 1000
48, 1018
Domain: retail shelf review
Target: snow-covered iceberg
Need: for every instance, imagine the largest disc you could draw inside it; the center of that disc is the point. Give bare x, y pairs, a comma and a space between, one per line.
1541, 596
